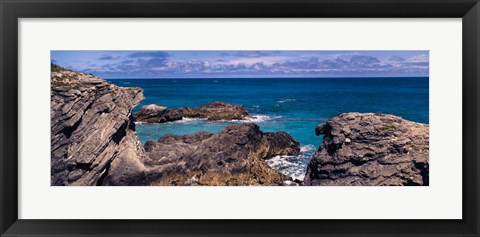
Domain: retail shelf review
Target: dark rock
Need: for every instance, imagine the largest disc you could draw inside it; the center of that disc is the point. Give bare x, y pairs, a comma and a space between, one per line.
92, 141
370, 149
222, 111
211, 111
156, 114
235, 156
279, 143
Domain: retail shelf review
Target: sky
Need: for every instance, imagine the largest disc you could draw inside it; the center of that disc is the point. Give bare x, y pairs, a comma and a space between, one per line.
240, 64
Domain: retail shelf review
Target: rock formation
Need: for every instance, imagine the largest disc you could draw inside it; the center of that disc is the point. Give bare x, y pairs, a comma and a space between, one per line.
212, 111
93, 142
92, 136
235, 156
370, 149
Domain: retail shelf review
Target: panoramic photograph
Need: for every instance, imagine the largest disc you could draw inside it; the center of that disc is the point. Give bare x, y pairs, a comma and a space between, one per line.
239, 118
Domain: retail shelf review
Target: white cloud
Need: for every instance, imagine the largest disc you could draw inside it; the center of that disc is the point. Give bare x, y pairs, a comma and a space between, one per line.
250, 61
418, 58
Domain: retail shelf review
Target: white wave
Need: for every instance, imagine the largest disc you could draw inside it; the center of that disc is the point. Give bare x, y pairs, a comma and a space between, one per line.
193, 119
258, 118
190, 120
254, 118
307, 148
215, 81
183, 120
286, 100
293, 166
286, 166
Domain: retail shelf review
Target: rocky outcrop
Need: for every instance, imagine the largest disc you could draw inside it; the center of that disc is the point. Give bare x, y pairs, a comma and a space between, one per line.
93, 141
92, 135
212, 111
370, 149
235, 156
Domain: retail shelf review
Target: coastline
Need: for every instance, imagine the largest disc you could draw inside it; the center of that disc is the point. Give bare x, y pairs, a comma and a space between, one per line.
242, 153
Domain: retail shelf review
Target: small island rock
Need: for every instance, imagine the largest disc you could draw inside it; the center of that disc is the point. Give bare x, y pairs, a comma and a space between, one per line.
212, 111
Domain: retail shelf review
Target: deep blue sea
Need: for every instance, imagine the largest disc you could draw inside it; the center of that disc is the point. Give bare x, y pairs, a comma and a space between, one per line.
293, 105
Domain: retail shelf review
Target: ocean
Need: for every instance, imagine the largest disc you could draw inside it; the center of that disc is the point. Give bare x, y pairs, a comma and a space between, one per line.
293, 105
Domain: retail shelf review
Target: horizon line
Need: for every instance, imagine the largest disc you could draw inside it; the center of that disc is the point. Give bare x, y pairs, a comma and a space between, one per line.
166, 78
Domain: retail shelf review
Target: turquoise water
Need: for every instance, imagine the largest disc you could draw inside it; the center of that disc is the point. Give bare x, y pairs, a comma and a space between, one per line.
293, 105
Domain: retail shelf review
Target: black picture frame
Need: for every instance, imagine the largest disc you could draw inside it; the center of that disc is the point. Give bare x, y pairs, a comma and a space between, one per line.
12, 10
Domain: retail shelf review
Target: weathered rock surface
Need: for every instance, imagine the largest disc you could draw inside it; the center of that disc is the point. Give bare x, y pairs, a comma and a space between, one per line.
232, 157
370, 149
212, 111
93, 142
92, 135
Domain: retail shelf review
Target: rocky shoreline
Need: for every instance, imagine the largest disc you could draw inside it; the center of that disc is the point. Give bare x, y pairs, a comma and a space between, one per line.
93, 142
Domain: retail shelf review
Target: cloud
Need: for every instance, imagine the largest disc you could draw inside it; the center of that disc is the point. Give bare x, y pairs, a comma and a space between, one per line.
396, 59
411, 64
418, 58
364, 61
252, 54
105, 57
128, 61
255, 63
420, 64
254, 60
355, 62
150, 54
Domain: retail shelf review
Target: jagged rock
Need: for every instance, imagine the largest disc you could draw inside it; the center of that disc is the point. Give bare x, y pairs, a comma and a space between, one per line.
92, 135
157, 114
232, 157
370, 149
222, 111
212, 111
93, 142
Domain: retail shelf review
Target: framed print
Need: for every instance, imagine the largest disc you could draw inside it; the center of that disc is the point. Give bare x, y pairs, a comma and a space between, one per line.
239, 118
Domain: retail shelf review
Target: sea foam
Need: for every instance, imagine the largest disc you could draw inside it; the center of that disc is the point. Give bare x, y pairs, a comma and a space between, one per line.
286, 100
190, 120
260, 118
293, 166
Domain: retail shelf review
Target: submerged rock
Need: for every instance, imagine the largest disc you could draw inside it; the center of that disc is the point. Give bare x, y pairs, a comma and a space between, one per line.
370, 149
212, 111
235, 156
